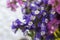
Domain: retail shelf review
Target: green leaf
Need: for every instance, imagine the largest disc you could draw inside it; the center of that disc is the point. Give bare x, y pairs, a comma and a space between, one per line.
31, 34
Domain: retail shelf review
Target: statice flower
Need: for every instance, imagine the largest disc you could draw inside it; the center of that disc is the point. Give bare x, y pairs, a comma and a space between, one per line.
58, 8
40, 20
55, 5
13, 4
53, 25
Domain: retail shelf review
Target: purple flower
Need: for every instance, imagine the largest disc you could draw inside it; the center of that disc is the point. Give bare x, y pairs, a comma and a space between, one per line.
20, 2
45, 1
55, 5
12, 5
58, 9
37, 36
50, 37
53, 25
33, 6
38, 20
17, 25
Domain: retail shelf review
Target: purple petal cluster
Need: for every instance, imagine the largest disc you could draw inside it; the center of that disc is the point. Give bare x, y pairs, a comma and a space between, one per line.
40, 19
13, 4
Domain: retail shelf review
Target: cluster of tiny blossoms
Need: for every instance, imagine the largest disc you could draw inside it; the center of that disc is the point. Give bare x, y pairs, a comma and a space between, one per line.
55, 4
41, 21
13, 4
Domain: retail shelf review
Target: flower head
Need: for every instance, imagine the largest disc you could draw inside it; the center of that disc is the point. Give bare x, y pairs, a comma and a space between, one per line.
39, 20
55, 5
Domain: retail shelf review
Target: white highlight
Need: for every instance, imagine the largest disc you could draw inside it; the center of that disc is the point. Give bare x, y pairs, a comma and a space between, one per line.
37, 12
42, 33
30, 23
32, 17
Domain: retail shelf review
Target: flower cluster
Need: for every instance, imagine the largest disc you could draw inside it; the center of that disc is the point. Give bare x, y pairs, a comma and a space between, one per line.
41, 21
13, 4
55, 5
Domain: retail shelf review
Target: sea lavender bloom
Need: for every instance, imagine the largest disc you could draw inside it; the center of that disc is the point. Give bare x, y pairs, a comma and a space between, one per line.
50, 37
12, 4
55, 5
16, 25
37, 36
58, 9
20, 2
53, 25
39, 21
45, 1
52, 2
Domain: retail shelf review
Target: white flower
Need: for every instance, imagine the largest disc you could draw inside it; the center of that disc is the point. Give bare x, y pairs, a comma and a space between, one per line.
30, 23
42, 8
37, 12
53, 12
32, 4
32, 17
44, 13
46, 20
39, 0
42, 33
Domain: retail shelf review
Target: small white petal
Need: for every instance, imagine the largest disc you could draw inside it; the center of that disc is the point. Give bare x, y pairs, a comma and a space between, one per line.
39, 0
37, 12
23, 6
42, 8
15, 23
24, 0
32, 17
44, 13
42, 25
53, 12
51, 32
42, 33
30, 23
37, 39
32, 4
52, 28
24, 10
46, 20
